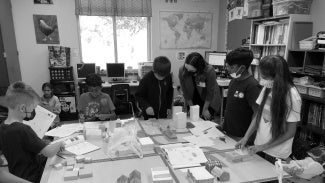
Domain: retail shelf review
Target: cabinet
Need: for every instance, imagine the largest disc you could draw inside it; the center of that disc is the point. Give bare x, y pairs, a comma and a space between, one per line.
64, 88
310, 63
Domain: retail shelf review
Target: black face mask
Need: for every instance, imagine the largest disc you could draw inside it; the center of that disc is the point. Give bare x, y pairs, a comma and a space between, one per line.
31, 117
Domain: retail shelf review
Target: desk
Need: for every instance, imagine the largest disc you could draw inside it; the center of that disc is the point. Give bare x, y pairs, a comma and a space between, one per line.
108, 170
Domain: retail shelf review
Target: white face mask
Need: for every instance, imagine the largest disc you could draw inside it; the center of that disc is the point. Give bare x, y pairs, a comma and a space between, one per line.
235, 75
266, 83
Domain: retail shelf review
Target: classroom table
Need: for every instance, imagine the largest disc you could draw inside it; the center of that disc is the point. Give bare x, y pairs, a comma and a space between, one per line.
106, 169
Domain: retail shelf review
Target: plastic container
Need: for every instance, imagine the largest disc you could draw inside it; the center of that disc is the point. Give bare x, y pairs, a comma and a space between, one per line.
285, 7
303, 89
254, 8
308, 43
316, 91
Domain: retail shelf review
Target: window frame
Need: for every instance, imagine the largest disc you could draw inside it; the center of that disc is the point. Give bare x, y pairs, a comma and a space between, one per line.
115, 39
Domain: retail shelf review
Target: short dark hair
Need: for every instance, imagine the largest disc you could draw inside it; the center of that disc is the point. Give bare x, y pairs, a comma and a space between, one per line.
93, 80
240, 56
196, 60
161, 66
47, 84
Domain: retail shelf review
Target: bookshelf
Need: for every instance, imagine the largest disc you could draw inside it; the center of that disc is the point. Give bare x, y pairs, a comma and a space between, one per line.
277, 35
313, 110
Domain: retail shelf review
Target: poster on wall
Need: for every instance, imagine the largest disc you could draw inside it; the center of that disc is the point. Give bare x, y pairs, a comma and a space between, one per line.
185, 30
43, 1
46, 29
59, 56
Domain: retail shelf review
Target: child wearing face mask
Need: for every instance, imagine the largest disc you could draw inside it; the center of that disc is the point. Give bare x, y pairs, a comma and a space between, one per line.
278, 112
51, 102
243, 91
23, 149
155, 91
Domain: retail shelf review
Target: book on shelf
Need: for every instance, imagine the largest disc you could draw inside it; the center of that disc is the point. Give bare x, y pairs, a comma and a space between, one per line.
265, 51
316, 115
271, 34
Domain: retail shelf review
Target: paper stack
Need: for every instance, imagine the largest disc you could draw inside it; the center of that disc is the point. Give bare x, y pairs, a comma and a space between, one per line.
181, 120
195, 113
161, 175
200, 175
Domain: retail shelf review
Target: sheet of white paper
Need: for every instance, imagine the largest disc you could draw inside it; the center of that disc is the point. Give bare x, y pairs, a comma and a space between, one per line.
202, 126
62, 131
42, 121
82, 148
187, 156
201, 141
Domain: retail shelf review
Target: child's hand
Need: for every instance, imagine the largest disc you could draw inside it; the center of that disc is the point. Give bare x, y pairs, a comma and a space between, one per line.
206, 114
241, 144
255, 149
150, 111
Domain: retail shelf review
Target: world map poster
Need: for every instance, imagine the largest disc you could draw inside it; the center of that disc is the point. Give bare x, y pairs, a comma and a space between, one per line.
185, 30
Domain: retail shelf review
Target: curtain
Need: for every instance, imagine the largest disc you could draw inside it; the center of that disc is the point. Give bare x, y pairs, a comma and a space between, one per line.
129, 8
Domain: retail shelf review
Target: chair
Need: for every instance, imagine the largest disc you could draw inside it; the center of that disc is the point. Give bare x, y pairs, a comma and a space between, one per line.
121, 98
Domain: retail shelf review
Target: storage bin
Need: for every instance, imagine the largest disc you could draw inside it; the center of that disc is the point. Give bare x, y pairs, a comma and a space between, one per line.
316, 91
302, 89
308, 43
61, 73
285, 7
254, 8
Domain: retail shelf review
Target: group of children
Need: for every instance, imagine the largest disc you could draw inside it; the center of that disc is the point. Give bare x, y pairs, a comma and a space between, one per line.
262, 115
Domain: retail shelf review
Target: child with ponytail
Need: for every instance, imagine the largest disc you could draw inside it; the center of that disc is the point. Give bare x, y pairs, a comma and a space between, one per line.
278, 113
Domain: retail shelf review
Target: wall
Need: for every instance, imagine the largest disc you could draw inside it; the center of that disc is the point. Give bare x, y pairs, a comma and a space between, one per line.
317, 15
222, 23
33, 57
9, 41
183, 6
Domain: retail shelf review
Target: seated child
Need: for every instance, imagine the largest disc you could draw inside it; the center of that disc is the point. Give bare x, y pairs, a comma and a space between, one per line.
95, 104
155, 91
22, 148
51, 102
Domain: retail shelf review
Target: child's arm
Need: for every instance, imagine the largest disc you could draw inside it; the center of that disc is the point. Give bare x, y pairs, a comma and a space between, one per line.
141, 95
52, 149
252, 127
6, 177
291, 130
57, 107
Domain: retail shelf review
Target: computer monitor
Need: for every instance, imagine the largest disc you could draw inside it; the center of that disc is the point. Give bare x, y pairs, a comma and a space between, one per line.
216, 58
115, 70
84, 69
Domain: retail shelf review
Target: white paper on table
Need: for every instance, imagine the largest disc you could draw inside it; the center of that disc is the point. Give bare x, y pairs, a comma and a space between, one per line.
187, 156
42, 121
82, 148
201, 141
62, 131
201, 126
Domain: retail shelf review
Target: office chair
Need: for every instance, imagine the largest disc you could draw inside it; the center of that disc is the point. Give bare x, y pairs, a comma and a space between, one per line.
121, 98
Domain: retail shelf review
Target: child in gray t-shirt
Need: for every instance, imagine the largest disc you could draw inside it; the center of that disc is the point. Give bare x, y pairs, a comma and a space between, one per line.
95, 104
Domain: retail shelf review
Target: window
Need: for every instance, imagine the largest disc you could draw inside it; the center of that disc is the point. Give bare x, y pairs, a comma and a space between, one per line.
100, 45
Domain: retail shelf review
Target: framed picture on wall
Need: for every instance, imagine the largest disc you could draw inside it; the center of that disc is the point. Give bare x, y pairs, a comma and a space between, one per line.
46, 29
43, 1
